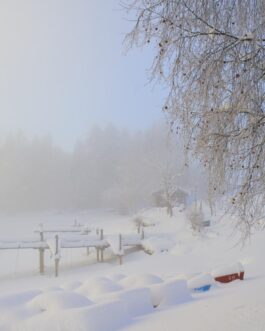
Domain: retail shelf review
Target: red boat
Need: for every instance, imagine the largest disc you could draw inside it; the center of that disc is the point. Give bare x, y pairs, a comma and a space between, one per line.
229, 274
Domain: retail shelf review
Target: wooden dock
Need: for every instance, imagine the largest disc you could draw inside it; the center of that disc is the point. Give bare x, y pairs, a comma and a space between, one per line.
83, 239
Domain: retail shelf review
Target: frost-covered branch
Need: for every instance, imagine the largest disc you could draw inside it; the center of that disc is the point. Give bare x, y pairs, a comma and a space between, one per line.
211, 56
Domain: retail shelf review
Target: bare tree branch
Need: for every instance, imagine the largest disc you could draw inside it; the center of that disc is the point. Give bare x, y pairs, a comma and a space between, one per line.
211, 56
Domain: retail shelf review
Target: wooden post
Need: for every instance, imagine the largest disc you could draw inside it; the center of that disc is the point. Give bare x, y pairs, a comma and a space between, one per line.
41, 255
102, 249
139, 228
142, 235
97, 233
56, 255
120, 248
86, 230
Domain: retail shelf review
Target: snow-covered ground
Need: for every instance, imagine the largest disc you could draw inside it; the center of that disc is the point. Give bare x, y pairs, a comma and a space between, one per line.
148, 292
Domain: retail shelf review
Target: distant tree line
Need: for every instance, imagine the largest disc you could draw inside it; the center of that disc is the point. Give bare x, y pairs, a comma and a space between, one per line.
110, 168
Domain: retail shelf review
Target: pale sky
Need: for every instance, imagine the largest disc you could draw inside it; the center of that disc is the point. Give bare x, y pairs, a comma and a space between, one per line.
63, 70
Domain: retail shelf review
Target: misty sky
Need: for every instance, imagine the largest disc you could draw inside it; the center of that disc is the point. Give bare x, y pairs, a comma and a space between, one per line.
63, 70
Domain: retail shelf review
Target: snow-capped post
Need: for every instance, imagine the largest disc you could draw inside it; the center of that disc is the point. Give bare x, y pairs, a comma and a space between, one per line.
57, 255
86, 230
97, 233
41, 254
120, 248
102, 249
139, 227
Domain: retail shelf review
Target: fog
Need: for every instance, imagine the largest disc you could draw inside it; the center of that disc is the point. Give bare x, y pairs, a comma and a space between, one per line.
110, 169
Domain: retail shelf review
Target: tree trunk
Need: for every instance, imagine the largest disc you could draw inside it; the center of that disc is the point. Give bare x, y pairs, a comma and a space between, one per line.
169, 210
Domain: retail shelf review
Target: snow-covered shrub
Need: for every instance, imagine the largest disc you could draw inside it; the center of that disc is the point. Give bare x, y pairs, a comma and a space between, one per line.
151, 219
196, 216
138, 221
157, 244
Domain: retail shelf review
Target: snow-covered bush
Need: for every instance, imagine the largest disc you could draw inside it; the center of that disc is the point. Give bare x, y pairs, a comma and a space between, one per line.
144, 221
138, 221
157, 244
196, 216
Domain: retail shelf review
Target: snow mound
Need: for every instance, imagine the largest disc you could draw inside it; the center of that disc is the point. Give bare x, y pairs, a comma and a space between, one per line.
95, 287
13, 308
71, 286
140, 280
18, 298
137, 301
170, 293
59, 300
149, 221
200, 281
155, 216
11, 316
158, 243
53, 289
102, 317
116, 277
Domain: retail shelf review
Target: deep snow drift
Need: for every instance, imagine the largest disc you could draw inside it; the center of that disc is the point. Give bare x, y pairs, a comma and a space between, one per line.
148, 292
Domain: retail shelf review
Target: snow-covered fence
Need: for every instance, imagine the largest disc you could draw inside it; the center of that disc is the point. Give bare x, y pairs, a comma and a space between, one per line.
117, 243
55, 245
76, 228
94, 241
80, 229
22, 244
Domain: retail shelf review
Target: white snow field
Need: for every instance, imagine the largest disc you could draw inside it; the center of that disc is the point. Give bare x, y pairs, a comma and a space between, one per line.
151, 291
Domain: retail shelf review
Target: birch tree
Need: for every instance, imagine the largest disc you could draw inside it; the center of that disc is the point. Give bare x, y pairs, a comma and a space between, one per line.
211, 56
